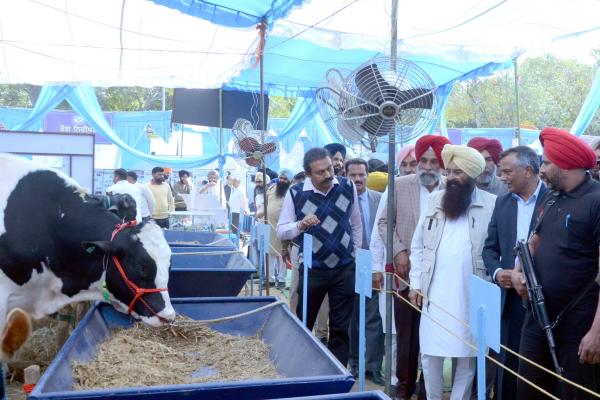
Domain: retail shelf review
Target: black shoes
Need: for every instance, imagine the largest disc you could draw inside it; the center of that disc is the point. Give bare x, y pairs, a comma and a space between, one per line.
280, 285
374, 376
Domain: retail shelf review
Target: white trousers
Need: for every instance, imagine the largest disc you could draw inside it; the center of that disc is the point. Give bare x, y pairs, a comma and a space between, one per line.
277, 269
433, 370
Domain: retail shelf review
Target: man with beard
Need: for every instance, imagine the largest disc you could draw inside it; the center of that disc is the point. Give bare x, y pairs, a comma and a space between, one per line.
564, 246
259, 194
326, 207
407, 160
337, 152
511, 221
163, 198
490, 150
356, 170
277, 249
445, 251
410, 201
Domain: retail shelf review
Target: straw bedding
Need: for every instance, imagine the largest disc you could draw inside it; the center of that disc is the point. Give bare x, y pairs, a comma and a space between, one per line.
185, 352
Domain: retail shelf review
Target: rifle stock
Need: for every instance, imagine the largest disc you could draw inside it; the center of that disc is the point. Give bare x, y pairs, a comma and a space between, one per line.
537, 301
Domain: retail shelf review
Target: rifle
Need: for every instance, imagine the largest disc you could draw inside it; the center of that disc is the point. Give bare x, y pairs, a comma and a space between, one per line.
537, 301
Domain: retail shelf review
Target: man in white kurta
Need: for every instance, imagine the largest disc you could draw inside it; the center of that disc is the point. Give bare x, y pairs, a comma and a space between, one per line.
445, 251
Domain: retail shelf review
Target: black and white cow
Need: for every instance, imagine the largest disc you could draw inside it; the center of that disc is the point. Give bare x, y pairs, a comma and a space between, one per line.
56, 249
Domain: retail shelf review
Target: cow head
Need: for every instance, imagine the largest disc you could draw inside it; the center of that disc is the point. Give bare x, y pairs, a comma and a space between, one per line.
145, 257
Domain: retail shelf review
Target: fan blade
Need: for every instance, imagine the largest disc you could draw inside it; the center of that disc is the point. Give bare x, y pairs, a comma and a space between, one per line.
378, 126
372, 86
414, 98
268, 148
249, 145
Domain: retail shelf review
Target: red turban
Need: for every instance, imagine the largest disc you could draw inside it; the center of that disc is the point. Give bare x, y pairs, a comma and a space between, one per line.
566, 150
493, 146
436, 142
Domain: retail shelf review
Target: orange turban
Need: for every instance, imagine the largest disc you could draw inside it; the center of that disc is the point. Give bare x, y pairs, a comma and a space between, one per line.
493, 146
167, 170
436, 142
566, 150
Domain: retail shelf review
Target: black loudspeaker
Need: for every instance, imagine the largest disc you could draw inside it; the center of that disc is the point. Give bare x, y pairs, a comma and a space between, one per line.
201, 107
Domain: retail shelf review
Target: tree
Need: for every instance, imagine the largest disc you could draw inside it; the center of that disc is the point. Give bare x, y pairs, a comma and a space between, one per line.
133, 98
281, 107
552, 92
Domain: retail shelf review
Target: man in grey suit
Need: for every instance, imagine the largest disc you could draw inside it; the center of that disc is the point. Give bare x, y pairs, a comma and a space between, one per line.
368, 200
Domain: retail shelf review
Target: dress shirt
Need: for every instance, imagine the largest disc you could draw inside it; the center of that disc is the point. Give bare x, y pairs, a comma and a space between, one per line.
147, 204
287, 227
424, 197
525, 210
363, 201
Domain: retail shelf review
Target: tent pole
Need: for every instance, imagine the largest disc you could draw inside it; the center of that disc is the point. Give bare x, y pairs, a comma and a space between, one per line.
389, 262
220, 142
517, 113
164, 98
262, 34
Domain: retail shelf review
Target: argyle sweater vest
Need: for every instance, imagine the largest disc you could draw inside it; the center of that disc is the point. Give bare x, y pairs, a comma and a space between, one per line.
332, 238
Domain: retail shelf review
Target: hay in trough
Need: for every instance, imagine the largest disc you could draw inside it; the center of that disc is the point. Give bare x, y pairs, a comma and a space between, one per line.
186, 352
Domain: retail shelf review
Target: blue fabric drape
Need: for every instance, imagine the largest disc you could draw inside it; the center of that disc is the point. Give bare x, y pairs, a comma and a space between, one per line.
14, 117
233, 13
303, 114
589, 108
83, 101
131, 128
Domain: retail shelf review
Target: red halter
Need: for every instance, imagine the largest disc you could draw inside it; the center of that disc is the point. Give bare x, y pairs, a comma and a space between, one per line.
137, 291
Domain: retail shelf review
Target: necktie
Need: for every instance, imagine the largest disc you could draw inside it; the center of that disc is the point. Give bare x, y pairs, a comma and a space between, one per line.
365, 236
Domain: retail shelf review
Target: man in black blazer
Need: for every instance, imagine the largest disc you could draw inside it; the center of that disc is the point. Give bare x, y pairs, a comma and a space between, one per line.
512, 220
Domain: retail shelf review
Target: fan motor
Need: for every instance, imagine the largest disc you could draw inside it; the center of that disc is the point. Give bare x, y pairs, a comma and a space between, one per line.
388, 110
257, 154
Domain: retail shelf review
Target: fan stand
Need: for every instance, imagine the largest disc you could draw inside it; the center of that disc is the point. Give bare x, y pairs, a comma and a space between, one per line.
389, 262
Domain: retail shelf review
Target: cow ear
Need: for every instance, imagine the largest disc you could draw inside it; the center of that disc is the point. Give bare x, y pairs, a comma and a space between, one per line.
102, 246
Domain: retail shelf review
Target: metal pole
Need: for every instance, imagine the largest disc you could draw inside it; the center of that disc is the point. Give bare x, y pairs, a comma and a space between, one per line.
164, 98
517, 113
389, 262
220, 142
262, 27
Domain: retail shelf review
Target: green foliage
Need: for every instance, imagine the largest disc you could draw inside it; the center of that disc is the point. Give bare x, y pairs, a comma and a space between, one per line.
133, 98
551, 90
281, 107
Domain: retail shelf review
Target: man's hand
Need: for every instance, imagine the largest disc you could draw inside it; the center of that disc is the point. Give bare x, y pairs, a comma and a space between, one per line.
504, 278
377, 278
589, 348
518, 282
415, 298
402, 264
308, 222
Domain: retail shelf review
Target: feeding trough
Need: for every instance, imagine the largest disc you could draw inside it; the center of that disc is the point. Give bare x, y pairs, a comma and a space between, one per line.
371, 395
208, 273
203, 239
306, 367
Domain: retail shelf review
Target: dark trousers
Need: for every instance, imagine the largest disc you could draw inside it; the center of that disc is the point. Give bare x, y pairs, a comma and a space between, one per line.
510, 336
374, 337
338, 283
535, 347
163, 223
2, 391
407, 322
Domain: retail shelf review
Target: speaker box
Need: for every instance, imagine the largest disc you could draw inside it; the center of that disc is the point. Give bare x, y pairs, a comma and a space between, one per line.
201, 107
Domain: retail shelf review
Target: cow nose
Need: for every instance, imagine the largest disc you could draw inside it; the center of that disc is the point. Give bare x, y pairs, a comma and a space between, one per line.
168, 314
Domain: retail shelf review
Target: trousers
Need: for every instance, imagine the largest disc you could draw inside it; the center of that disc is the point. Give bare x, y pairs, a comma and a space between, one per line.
338, 284
462, 384
374, 338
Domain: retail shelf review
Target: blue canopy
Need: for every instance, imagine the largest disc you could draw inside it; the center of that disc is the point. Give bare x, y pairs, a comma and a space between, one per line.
296, 67
233, 13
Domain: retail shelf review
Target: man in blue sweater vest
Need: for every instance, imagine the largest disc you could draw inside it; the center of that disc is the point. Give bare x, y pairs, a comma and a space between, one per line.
326, 207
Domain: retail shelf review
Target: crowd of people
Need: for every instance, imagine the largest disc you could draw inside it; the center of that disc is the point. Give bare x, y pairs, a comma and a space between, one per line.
457, 211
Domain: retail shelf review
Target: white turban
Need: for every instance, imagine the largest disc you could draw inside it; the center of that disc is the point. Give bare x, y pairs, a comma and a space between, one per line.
466, 158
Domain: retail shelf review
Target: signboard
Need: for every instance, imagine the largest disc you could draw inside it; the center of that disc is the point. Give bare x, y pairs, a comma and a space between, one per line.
70, 122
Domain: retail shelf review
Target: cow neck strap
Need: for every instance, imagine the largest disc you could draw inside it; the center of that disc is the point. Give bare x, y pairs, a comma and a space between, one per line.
137, 291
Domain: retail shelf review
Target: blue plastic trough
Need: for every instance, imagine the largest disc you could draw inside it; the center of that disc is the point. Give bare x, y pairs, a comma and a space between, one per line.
208, 275
307, 367
186, 238
373, 395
